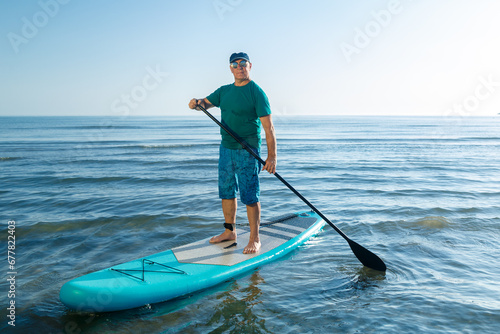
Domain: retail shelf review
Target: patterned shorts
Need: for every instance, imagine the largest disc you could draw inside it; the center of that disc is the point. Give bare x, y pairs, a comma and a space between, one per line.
239, 170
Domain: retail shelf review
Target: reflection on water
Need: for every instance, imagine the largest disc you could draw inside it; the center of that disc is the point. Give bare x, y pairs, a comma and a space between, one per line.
367, 277
235, 311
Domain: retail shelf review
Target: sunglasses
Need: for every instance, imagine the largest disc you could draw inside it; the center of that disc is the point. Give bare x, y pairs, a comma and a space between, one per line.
243, 63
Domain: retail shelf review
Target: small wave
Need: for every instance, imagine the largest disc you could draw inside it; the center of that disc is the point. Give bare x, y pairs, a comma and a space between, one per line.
106, 179
103, 226
99, 127
160, 146
433, 222
114, 179
153, 146
480, 138
9, 158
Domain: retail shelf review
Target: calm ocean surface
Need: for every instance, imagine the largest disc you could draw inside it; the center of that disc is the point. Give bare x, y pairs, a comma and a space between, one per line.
423, 193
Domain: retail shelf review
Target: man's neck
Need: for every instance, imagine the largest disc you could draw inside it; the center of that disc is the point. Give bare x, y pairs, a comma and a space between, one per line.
240, 83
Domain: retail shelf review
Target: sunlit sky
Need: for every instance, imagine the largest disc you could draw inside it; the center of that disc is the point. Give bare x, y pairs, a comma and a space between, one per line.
148, 58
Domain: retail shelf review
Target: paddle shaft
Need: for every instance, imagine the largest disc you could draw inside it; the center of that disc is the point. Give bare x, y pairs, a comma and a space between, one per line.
252, 152
365, 256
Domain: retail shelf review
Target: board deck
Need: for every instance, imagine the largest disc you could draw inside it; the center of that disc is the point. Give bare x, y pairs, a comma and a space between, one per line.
271, 234
186, 269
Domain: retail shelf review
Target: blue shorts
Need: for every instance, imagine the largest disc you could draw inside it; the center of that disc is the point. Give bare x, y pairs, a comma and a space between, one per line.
239, 170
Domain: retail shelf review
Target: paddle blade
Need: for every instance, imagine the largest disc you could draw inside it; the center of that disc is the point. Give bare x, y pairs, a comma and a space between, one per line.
367, 258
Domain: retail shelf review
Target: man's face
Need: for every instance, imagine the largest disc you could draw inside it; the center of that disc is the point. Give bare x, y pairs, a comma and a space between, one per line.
242, 71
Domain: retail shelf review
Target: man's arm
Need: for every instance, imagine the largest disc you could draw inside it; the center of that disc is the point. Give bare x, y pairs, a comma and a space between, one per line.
194, 103
271, 161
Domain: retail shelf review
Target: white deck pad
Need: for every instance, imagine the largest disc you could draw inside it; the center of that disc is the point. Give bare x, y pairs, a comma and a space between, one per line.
272, 235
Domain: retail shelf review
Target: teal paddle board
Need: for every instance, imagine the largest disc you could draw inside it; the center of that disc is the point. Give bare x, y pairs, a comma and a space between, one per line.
186, 269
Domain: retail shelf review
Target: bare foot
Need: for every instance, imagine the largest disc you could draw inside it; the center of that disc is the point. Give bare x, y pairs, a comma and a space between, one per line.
252, 247
225, 236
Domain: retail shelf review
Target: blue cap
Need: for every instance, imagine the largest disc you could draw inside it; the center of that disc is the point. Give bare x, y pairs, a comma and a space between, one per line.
239, 55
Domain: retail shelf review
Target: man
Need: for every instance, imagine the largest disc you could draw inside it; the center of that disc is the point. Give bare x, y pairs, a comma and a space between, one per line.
244, 107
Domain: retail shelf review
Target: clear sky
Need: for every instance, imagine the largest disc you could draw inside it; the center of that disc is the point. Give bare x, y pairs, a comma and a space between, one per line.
124, 57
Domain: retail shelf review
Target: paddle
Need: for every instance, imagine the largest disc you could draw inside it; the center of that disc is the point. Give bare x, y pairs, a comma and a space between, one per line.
366, 257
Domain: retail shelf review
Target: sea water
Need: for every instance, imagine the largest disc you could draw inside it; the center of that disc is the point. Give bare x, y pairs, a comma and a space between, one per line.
79, 194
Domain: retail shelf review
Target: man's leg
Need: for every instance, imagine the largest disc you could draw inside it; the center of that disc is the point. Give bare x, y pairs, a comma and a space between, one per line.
229, 207
253, 213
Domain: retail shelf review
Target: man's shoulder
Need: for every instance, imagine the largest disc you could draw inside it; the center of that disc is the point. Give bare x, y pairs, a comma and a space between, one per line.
257, 91
226, 87
255, 86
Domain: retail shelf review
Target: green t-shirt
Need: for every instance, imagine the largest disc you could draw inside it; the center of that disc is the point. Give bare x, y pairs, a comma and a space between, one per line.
241, 107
